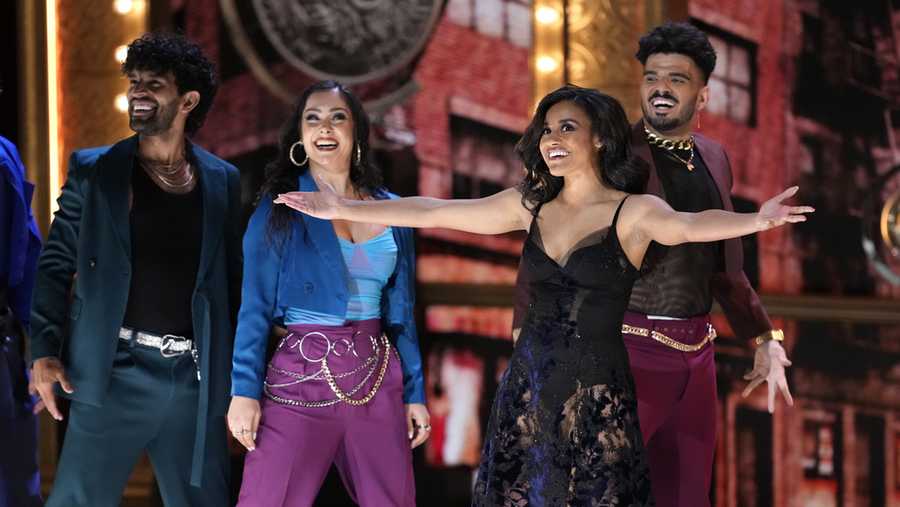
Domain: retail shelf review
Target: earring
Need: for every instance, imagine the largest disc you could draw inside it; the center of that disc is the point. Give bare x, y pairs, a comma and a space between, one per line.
698, 120
291, 155
358, 155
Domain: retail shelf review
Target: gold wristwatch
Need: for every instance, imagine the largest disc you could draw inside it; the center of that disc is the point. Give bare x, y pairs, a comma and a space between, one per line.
772, 334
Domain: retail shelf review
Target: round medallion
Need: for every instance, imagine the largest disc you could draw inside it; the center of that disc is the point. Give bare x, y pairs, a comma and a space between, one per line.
349, 40
881, 226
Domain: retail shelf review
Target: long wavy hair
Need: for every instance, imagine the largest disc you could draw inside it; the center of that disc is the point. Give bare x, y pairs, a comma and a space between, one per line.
619, 169
281, 175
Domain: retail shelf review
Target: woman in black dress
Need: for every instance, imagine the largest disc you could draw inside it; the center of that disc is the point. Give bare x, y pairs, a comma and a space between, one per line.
563, 430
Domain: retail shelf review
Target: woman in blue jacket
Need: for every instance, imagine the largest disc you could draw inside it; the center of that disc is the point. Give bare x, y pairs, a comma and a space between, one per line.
335, 390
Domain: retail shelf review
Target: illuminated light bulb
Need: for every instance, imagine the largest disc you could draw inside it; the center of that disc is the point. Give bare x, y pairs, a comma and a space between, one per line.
546, 15
123, 6
546, 64
121, 53
122, 102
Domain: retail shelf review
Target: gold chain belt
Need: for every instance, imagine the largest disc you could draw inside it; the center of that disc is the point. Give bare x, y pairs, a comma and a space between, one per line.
329, 377
669, 342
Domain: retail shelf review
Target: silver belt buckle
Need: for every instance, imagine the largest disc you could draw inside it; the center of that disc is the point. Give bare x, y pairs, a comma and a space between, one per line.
168, 341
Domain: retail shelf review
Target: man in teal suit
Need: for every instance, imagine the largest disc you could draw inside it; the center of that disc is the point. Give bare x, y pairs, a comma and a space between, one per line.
136, 294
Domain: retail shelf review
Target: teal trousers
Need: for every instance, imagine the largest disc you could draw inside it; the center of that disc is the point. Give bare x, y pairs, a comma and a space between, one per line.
151, 405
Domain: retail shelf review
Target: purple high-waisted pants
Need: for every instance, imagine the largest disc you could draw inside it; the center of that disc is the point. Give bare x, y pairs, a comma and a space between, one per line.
295, 445
677, 408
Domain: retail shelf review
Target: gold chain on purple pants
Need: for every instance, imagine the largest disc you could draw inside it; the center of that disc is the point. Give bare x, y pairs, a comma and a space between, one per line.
330, 377
669, 342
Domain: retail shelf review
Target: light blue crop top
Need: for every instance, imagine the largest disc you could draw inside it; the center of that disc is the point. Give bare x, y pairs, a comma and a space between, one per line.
370, 265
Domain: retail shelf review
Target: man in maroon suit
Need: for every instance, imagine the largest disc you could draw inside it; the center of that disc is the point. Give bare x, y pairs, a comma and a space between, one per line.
667, 328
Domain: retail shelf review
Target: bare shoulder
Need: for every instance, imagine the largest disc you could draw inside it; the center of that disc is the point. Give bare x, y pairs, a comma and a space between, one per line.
512, 201
639, 204
637, 208
511, 194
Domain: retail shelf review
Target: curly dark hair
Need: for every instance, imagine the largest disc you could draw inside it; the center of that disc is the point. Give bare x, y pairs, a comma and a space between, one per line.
618, 168
281, 174
679, 38
163, 52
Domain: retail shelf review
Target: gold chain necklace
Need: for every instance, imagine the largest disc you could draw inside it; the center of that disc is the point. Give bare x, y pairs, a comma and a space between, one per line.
670, 146
176, 175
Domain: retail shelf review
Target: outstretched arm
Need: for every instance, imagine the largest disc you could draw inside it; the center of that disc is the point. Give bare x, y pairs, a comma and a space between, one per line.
659, 222
496, 214
651, 219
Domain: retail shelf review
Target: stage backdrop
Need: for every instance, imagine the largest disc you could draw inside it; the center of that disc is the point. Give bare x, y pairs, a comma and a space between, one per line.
805, 92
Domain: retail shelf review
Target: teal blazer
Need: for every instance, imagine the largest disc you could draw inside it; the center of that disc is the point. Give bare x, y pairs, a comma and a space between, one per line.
77, 318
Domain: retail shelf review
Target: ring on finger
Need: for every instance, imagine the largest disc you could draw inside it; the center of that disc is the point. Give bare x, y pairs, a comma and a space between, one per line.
425, 427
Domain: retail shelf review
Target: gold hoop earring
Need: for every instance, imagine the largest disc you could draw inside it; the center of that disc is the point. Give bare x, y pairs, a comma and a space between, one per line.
358, 155
291, 155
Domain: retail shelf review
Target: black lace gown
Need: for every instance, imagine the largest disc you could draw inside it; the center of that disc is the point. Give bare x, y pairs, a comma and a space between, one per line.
564, 428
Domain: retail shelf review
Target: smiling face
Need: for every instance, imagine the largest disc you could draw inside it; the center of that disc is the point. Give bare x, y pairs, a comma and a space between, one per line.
568, 141
327, 130
154, 102
672, 91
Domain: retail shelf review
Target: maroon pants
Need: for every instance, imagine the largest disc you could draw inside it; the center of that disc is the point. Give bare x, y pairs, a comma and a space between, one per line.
677, 408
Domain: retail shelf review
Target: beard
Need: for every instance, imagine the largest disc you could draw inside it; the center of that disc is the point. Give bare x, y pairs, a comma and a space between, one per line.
161, 120
666, 124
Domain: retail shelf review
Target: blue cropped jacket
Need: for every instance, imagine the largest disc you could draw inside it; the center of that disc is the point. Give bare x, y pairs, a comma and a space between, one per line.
307, 271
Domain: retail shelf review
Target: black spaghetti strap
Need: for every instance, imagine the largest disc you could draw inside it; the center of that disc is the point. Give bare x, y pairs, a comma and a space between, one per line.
618, 209
534, 216
615, 233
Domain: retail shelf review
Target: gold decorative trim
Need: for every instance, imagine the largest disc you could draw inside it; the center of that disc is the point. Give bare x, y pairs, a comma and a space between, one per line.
33, 140
591, 43
886, 218
548, 59
53, 130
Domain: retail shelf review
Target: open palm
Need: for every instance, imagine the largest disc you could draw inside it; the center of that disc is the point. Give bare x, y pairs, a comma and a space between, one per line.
323, 204
774, 214
769, 363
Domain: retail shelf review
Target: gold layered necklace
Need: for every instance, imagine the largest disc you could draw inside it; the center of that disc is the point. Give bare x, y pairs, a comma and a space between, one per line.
176, 176
670, 146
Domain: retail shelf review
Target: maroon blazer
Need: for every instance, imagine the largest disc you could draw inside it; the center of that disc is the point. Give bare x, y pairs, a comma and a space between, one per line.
730, 288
